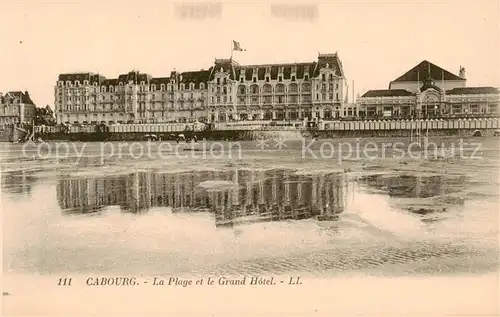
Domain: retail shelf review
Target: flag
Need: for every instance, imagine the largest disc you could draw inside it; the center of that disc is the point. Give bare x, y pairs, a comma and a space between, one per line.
237, 47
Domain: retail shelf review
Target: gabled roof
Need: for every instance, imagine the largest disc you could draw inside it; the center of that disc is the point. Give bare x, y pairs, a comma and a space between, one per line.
134, 76
473, 90
225, 65
23, 97
332, 60
387, 93
73, 77
160, 80
195, 77
274, 70
423, 70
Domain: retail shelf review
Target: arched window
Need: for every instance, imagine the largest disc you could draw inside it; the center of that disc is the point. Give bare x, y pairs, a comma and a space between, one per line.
162, 87
242, 89
267, 88
306, 87
153, 87
293, 88
280, 88
254, 89
110, 88
202, 85
103, 89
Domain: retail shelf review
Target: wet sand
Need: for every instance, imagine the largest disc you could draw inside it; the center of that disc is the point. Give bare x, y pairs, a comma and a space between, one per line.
383, 223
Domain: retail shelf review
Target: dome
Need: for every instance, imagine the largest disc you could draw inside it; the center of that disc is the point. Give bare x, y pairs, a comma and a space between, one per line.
429, 86
429, 83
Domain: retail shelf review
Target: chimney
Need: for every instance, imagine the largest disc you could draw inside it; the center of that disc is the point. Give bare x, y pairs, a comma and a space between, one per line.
461, 73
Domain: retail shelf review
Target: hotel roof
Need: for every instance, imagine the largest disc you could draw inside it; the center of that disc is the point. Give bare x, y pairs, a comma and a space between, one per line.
387, 93
473, 90
423, 70
24, 97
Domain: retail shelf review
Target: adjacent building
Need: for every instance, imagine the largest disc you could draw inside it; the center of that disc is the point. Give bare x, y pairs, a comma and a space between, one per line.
16, 107
227, 91
428, 91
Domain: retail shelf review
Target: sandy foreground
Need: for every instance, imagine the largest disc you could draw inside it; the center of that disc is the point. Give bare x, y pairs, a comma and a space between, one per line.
437, 296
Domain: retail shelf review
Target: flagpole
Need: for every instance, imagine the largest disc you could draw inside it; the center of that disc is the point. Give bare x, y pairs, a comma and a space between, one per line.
232, 50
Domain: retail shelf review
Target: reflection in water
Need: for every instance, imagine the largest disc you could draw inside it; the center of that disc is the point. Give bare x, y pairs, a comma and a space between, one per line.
408, 186
17, 182
234, 197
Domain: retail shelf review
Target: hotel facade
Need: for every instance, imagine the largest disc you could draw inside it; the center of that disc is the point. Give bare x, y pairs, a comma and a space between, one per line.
16, 107
225, 92
429, 91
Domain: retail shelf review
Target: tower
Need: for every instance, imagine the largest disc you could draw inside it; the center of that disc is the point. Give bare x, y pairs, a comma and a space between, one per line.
461, 72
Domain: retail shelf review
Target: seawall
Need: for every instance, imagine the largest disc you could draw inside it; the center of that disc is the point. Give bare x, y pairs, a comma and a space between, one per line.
245, 131
255, 135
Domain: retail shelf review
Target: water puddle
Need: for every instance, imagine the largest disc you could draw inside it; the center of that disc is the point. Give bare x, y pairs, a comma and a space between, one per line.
234, 197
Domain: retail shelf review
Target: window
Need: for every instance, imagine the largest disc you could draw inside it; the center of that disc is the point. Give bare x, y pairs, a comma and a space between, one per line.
110, 88
225, 81
202, 86
293, 78
153, 87
218, 81
241, 89
241, 79
255, 79
306, 77
323, 77
280, 78
85, 82
267, 79
162, 87
103, 88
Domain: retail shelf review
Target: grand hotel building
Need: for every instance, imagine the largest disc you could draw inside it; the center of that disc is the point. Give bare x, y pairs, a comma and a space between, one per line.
225, 92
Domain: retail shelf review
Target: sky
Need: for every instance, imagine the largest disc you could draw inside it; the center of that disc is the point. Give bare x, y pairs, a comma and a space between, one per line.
376, 41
